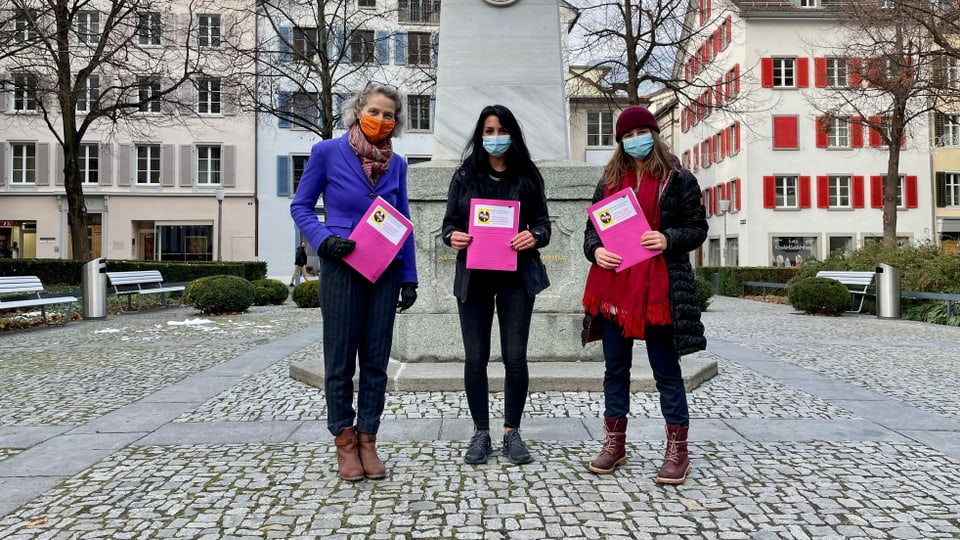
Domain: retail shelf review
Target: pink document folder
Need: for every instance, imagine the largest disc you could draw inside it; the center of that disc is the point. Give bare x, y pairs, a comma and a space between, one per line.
379, 236
620, 223
493, 223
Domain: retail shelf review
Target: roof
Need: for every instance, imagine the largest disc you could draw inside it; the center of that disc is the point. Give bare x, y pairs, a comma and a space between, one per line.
788, 8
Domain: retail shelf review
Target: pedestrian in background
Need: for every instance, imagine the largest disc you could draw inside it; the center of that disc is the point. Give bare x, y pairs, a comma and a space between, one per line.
350, 172
299, 261
497, 166
654, 300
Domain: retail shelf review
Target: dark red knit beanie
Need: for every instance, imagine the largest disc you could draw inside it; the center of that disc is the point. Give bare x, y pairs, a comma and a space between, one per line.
635, 117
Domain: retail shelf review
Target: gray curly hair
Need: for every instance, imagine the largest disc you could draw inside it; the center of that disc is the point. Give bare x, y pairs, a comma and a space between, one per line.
352, 106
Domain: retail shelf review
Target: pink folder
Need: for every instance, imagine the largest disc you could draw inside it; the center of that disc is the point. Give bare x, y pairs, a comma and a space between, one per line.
620, 223
493, 223
379, 236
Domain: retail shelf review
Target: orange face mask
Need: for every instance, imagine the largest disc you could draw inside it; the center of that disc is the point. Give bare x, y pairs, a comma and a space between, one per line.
376, 129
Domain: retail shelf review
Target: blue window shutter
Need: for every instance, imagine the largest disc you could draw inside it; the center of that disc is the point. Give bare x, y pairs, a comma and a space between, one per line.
400, 48
286, 38
343, 46
434, 47
383, 47
283, 108
283, 176
338, 100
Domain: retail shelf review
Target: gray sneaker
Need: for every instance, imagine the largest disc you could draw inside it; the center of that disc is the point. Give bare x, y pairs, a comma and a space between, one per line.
480, 448
514, 448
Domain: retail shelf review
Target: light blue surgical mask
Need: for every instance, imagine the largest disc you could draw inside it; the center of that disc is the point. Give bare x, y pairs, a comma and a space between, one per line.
496, 145
638, 147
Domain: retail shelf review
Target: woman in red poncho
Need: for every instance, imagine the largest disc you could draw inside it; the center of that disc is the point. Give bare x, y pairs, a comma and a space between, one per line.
654, 300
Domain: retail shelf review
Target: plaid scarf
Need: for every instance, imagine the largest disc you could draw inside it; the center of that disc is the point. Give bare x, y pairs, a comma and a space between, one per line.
374, 158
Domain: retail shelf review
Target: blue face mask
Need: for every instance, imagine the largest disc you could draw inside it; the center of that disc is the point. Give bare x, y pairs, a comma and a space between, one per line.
496, 145
638, 147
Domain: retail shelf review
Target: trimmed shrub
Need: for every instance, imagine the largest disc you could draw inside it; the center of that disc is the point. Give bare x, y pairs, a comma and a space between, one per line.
704, 292
307, 294
269, 291
818, 296
216, 295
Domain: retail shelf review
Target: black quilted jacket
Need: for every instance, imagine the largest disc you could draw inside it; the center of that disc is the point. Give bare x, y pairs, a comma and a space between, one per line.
683, 221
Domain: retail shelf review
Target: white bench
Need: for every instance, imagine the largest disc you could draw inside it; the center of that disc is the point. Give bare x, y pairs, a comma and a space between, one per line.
857, 283
139, 283
32, 286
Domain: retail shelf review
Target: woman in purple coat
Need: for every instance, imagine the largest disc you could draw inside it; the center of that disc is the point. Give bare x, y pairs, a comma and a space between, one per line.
350, 172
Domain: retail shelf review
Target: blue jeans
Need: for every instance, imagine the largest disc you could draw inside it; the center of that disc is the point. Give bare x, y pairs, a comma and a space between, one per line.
514, 306
357, 328
664, 361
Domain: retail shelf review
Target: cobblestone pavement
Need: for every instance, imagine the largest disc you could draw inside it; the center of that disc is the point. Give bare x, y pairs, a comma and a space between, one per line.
166, 424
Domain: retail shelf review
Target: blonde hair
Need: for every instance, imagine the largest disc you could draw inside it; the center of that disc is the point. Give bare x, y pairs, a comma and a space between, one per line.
353, 105
656, 163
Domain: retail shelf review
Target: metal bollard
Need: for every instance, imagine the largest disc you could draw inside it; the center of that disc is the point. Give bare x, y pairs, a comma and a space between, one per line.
888, 292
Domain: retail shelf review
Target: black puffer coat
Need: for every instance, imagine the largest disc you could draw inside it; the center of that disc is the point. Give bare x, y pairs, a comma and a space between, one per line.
683, 221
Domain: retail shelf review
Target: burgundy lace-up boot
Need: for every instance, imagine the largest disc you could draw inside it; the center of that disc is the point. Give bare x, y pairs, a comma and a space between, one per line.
613, 452
676, 463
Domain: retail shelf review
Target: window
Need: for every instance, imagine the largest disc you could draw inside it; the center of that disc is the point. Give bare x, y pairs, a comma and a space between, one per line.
24, 163
209, 165
900, 187
952, 189
208, 95
208, 35
305, 108
784, 72
837, 76
362, 47
952, 73
809, 3
418, 48
89, 161
786, 192
24, 28
843, 244
88, 27
149, 94
366, 3
419, 11
419, 112
299, 165
793, 250
149, 28
185, 242
25, 92
838, 134
89, 96
600, 128
839, 191
733, 196
148, 164
305, 43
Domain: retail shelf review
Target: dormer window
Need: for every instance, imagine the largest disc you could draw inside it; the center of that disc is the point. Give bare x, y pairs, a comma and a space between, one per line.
809, 3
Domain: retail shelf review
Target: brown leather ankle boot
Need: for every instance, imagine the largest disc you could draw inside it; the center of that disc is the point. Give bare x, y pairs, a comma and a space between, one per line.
676, 463
613, 452
373, 468
348, 458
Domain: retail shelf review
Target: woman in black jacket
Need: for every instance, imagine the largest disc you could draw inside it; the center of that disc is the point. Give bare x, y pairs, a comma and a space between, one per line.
497, 166
654, 300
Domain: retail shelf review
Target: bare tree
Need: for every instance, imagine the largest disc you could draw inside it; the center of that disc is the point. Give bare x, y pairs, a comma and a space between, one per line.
893, 78
312, 54
118, 66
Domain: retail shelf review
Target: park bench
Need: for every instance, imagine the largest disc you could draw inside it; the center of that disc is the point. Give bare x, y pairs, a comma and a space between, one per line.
139, 283
857, 282
27, 289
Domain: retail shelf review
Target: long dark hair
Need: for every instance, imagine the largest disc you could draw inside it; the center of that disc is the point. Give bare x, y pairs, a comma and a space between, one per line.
475, 157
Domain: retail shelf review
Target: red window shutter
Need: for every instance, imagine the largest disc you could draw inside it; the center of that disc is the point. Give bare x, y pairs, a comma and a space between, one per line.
785, 132
729, 33
823, 192
769, 192
700, 12
874, 67
858, 192
854, 67
713, 200
820, 72
718, 90
703, 201
766, 72
708, 8
736, 78
713, 150
804, 192
723, 143
856, 132
717, 41
912, 193
696, 158
875, 138
803, 72
739, 192
876, 192
823, 131
737, 145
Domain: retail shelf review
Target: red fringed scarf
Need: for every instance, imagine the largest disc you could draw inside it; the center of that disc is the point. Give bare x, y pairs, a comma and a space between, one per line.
640, 295
374, 158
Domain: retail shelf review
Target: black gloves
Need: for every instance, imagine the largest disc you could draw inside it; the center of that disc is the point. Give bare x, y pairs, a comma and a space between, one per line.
408, 295
337, 247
